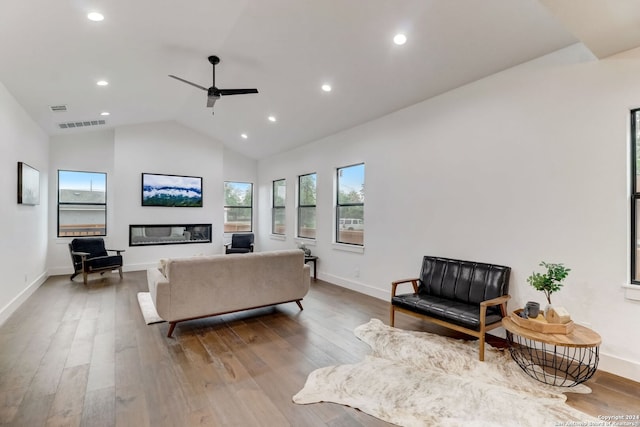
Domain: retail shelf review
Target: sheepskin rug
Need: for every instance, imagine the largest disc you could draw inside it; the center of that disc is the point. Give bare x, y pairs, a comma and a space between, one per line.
421, 379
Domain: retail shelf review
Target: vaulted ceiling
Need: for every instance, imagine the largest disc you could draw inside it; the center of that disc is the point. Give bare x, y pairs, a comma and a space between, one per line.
53, 55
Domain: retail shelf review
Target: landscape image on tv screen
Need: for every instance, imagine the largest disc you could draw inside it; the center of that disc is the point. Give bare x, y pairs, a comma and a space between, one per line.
171, 190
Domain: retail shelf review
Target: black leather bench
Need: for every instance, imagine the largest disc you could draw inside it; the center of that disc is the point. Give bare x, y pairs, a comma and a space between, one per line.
467, 296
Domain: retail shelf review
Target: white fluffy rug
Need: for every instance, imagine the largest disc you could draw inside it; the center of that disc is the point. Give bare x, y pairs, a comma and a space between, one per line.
421, 379
148, 309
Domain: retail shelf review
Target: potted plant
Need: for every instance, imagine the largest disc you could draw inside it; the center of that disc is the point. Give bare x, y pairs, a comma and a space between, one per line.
551, 281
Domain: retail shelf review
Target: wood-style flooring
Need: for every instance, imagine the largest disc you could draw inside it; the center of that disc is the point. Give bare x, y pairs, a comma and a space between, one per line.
73, 355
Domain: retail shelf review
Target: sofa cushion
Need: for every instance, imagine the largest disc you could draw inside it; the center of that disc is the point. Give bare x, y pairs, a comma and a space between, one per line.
460, 313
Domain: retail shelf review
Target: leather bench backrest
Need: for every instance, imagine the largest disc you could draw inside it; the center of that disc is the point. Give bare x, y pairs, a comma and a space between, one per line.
465, 281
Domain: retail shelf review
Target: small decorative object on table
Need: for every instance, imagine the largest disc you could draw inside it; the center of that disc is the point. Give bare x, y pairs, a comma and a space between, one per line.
307, 251
549, 282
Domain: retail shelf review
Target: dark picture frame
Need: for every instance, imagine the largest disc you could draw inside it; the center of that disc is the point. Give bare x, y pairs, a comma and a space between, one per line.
171, 190
28, 185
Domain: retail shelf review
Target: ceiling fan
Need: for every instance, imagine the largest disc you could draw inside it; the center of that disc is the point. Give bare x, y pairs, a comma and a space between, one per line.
213, 93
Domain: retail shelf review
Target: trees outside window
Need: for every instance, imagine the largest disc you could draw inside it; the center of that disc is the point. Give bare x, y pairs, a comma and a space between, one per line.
307, 206
350, 205
278, 200
82, 203
238, 206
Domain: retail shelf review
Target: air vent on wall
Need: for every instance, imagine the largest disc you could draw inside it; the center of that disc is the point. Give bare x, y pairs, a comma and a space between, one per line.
85, 123
58, 108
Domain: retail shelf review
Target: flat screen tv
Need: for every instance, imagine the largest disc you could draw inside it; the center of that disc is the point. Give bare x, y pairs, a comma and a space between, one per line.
171, 190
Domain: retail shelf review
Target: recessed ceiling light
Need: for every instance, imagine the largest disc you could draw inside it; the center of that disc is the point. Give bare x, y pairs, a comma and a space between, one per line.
400, 39
95, 16
272, 118
244, 136
102, 83
105, 113
326, 87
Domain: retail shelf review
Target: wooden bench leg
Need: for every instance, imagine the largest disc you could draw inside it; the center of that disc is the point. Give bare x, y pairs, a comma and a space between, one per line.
172, 326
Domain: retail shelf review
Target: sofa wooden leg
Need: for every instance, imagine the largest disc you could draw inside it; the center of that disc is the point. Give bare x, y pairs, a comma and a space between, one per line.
299, 304
172, 326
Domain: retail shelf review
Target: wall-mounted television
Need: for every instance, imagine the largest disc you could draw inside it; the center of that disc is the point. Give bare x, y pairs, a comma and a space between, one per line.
171, 190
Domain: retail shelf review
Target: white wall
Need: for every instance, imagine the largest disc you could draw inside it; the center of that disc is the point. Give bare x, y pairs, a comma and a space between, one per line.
23, 247
125, 153
524, 166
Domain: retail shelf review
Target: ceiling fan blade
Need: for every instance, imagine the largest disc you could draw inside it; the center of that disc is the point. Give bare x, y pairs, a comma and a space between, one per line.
224, 92
188, 82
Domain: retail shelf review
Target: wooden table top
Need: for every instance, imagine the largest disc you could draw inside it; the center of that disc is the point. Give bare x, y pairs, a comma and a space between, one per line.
580, 337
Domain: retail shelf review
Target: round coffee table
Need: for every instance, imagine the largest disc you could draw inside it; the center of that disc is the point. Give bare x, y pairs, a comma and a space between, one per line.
556, 359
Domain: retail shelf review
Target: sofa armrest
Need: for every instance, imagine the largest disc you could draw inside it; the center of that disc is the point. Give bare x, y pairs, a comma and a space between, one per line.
394, 285
160, 291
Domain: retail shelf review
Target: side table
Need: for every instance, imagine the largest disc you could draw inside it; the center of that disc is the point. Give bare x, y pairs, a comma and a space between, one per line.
556, 359
314, 260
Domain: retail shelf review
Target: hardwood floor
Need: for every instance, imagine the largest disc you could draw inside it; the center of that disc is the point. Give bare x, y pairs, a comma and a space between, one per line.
74, 355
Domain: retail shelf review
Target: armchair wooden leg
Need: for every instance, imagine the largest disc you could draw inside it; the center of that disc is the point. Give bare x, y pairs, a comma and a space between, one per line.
84, 277
392, 316
120, 271
299, 304
481, 349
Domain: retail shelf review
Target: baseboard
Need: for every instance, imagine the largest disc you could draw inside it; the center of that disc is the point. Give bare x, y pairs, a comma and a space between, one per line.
356, 286
618, 366
13, 305
62, 271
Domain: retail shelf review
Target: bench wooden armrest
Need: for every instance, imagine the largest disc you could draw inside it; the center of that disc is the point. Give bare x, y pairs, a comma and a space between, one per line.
501, 301
394, 285
496, 301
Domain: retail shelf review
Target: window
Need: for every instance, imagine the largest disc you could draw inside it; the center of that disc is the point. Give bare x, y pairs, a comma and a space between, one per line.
307, 206
82, 203
238, 206
279, 197
635, 197
350, 205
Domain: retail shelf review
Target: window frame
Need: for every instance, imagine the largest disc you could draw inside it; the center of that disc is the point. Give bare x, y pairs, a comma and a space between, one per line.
278, 208
59, 203
635, 194
225, 206
343, 205
303, 206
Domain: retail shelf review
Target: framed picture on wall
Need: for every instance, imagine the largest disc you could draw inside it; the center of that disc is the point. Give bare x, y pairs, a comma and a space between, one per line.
171, 190
28, 185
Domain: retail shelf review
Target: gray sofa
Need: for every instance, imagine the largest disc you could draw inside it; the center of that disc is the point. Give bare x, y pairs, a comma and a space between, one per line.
191, 288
